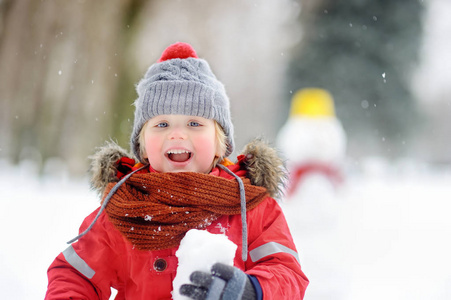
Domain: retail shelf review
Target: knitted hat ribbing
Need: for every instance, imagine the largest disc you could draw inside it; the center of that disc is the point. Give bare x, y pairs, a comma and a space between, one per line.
181, 83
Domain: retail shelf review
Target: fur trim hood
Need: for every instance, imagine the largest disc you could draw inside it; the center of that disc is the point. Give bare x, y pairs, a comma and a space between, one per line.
265, 167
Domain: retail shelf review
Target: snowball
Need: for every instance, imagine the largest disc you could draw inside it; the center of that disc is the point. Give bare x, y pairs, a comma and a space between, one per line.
199, 250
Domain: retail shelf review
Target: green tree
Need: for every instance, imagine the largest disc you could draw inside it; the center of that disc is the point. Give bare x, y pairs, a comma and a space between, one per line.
363, 52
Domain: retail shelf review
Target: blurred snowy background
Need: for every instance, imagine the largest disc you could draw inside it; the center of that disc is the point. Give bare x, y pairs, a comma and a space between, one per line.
67, 71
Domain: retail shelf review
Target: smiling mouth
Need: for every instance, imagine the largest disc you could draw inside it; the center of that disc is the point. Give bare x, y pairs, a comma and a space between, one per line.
178, 155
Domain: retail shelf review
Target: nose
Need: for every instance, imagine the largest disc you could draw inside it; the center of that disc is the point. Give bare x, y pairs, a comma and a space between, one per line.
177, 133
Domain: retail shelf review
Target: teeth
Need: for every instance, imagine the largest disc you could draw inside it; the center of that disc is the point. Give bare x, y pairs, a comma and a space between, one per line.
177, 151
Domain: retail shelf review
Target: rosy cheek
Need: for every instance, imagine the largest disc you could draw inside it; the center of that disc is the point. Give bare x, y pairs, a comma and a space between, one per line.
206, 145
152, 144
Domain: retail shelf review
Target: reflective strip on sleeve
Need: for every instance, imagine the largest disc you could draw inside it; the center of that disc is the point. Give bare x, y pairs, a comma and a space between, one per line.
77, 262
271, 248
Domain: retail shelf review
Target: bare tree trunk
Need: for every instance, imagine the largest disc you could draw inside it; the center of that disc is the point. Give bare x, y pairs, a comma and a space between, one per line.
61, 64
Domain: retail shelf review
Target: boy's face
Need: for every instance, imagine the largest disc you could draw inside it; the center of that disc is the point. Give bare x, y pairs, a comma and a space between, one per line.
179, 143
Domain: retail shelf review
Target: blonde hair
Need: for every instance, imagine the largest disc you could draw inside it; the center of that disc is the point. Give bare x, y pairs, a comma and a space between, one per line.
221, 140
141, 140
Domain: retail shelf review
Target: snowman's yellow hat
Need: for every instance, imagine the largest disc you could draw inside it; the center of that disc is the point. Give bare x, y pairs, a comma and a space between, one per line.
312, 102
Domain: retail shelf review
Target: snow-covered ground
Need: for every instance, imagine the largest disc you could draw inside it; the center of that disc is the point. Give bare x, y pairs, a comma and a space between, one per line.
386, 234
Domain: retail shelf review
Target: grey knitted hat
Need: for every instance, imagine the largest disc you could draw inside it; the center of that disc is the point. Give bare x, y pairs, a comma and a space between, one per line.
181, 83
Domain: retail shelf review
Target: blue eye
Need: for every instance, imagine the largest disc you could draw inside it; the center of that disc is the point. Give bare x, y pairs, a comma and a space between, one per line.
162, 125
193, 124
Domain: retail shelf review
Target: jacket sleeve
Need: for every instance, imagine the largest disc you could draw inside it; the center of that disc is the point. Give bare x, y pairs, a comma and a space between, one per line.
89, 267
273, 258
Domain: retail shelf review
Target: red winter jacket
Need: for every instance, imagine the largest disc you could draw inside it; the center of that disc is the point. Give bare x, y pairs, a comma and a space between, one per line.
103, 258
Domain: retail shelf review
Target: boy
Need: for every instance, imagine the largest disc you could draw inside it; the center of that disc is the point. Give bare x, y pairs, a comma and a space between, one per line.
181, 137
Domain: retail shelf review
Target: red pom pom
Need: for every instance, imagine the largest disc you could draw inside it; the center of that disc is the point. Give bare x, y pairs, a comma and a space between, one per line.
178, 50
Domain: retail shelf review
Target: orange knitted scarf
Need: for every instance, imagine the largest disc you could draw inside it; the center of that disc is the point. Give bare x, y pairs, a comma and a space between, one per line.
155, 210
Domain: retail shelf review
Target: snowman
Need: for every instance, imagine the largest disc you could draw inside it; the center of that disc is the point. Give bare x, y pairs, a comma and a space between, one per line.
313, 143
